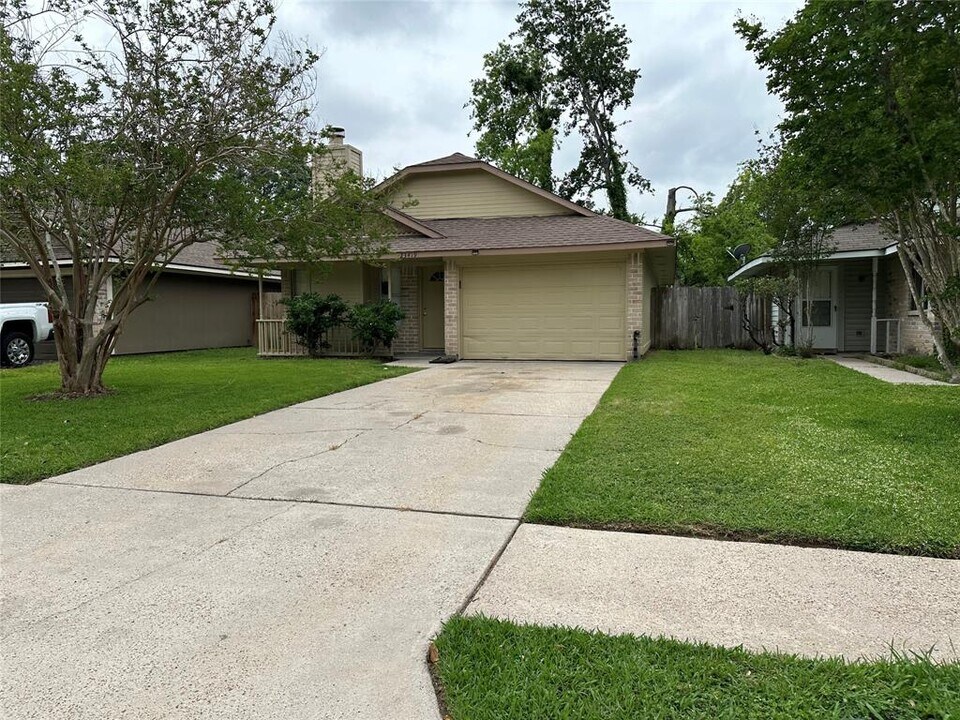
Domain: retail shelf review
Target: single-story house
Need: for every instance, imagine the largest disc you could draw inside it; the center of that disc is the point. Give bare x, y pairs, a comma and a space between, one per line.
860, 300
487, 266
198, 302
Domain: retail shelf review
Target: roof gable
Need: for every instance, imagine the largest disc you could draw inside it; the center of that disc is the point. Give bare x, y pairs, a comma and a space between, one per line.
509, 198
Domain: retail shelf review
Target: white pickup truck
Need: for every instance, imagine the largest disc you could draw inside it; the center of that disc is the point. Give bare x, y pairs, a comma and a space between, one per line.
23, 325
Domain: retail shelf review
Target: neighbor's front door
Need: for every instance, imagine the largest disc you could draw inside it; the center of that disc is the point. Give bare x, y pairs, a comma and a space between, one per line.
818, 311
431, 308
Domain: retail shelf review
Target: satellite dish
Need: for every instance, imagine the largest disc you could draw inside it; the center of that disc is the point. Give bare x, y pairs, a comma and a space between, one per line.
739, 253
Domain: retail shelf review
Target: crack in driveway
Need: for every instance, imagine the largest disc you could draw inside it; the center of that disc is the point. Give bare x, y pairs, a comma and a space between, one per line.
173, 563
332, 448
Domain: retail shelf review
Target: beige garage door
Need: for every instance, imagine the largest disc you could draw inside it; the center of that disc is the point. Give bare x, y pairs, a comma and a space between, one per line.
543, 312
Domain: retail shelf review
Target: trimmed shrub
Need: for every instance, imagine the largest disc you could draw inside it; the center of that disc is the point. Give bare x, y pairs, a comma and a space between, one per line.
311, 317
375, 324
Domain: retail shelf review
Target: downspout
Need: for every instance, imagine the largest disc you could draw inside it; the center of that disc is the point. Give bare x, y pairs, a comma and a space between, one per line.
636, 344
873, 311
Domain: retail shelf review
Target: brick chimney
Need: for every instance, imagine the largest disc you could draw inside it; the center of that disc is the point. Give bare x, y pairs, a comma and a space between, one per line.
338, 159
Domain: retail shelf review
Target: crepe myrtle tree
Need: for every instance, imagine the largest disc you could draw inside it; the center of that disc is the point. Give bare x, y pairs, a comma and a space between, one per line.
872, 98
190, 125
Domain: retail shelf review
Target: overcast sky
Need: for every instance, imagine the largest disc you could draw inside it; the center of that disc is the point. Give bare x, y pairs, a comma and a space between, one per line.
396, 74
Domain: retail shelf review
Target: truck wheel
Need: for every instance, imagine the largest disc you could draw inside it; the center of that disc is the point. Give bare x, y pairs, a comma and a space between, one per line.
17, 349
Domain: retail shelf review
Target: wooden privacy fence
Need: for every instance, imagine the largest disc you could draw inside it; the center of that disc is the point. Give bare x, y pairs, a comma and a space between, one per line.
689, 318
272, 308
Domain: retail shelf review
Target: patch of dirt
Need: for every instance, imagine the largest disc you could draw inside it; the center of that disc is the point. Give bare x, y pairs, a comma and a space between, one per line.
61, 395
433, 662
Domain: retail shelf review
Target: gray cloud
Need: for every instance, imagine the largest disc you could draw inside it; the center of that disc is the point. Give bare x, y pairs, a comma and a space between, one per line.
377, 18
396, 75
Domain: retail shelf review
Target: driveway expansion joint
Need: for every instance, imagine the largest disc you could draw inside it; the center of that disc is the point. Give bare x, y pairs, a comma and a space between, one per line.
293, 501
489, 569
368, 578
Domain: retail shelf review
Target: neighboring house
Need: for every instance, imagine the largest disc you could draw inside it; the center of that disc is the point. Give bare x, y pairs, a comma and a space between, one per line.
860, 300
198, 302
487, 266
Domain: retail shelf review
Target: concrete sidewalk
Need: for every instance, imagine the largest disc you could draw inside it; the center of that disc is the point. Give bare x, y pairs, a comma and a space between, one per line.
882, 372
798, 600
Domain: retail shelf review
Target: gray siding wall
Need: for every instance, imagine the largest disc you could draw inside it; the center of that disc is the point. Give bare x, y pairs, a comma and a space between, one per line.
856, 284
190, 312
187, 312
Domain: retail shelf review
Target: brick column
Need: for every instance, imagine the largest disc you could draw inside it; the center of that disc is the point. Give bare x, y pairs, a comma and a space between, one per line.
408, 339
451, 308
635, 302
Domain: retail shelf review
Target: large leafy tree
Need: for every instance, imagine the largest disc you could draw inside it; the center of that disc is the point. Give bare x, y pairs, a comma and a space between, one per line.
714, 228
872, 98
564, 70
189, 126
516, 113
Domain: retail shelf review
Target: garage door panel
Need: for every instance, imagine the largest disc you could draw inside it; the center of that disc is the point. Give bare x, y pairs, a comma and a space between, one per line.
561, 311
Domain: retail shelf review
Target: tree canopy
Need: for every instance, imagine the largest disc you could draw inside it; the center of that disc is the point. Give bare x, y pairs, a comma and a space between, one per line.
191, 125
703, 240
872, 123
564, 70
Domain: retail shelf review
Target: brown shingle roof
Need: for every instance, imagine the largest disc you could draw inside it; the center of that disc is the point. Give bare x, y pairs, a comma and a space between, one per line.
205, 254
9, 255
865, 236
509, 233
448, 160
199, 255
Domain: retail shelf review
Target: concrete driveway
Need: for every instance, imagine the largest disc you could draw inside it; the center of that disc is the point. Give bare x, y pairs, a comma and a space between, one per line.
289, 566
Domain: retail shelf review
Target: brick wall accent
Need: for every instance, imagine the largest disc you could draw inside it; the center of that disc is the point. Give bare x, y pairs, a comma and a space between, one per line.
913, 333
451, 308
635, 293
408, 339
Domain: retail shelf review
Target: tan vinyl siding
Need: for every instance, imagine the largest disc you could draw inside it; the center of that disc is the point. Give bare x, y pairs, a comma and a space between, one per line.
856, 283
342, 278
371, 283
472, 193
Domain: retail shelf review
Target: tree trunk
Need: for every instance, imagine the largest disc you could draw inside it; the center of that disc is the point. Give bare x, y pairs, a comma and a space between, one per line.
82, 356
939, 341
924, 246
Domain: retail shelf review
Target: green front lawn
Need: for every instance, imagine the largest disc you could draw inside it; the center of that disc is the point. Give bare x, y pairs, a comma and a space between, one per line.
738, 444
492, 670
158, 398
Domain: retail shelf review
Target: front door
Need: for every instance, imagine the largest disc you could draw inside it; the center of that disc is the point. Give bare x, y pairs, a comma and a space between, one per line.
431, 308
818, 312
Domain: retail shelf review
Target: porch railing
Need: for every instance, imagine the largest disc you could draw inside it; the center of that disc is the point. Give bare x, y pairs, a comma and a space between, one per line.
274, 340
887, 334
